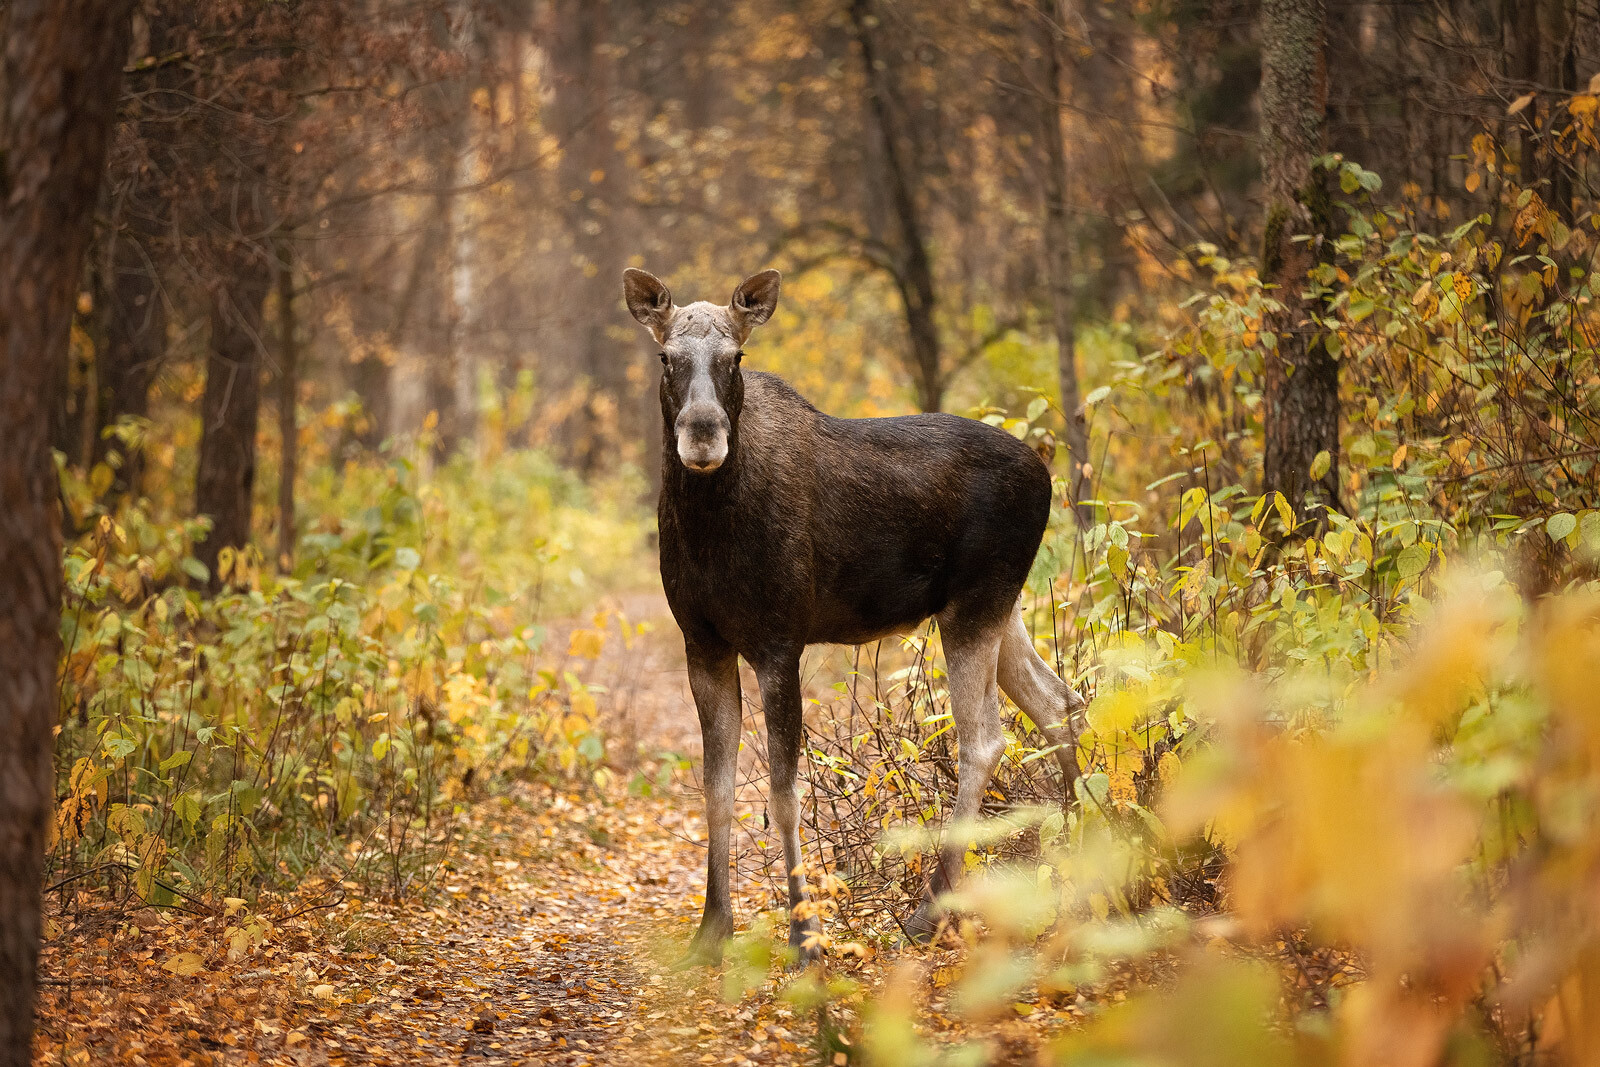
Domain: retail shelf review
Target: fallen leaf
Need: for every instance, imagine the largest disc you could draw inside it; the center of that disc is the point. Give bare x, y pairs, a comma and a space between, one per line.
184, 963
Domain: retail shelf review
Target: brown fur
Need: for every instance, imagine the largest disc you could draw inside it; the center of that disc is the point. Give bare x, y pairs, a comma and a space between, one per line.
783, 527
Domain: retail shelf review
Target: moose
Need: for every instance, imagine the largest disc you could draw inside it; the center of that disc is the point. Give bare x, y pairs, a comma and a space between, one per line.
782, 527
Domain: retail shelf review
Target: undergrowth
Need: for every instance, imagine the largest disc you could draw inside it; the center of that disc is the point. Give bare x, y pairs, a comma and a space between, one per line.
1339, 766
333, 719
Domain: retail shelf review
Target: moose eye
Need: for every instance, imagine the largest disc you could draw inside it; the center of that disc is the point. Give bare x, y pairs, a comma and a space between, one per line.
663, 359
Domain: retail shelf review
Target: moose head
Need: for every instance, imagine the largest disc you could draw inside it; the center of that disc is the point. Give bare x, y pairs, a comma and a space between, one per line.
702, 389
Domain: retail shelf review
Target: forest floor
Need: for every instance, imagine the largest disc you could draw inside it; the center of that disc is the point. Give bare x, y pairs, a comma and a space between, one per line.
549, 939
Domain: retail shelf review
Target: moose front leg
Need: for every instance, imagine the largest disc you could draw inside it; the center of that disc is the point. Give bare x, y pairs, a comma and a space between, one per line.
714, 681
780, 702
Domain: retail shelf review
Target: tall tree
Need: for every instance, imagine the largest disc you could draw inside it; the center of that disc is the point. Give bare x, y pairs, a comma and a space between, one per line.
1302, 377
911, 265
288, 397
62, 68
242, 156
592, 191
1057, 232
135, 315
231, 405
130, 281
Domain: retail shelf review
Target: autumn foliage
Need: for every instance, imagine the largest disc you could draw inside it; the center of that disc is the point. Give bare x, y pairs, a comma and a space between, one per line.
372, 740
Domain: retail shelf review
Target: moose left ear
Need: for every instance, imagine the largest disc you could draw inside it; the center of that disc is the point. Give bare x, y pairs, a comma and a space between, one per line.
755, 300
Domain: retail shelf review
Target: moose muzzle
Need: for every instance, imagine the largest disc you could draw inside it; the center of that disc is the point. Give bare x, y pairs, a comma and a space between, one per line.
702, 437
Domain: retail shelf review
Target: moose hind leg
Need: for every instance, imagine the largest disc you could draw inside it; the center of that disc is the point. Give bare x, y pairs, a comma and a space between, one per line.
780, 703
970, 656
1050, 702
714, 681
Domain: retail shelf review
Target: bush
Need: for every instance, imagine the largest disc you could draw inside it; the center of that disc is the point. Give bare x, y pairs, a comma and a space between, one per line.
339, 715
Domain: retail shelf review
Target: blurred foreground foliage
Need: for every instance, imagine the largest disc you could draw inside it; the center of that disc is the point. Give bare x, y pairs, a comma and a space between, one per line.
335, 718
1341, 768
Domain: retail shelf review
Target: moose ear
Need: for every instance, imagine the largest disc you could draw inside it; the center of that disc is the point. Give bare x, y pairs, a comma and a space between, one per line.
649, 300
755, 300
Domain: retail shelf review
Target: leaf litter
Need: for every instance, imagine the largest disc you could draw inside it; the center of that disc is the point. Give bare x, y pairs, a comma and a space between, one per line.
549, 939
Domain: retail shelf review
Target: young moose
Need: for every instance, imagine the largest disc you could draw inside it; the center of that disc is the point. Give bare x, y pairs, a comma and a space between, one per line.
782, 527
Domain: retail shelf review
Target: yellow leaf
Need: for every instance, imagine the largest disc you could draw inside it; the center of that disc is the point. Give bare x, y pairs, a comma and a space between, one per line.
1520, 103
586, 643
323, 992
184, 963
584, 706
238, 942
1320, 464
1113, 713
1474, 180
1167, 768
1399, 457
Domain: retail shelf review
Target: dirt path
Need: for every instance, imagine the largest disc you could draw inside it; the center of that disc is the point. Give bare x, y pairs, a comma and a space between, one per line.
557, 949
551, 942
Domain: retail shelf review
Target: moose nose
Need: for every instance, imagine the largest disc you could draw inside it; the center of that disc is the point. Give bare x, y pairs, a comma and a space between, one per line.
703, 441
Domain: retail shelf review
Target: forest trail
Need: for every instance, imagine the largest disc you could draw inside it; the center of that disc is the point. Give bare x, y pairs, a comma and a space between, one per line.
549, 940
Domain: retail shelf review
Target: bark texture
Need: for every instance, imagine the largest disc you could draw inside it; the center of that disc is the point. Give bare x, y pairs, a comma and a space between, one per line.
594, 192
1302, 378
125, 367
913, 272
288, 395
1057, 232
231, 405
62, 72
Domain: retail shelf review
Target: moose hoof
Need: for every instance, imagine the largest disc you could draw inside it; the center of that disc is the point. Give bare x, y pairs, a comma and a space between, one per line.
701, 954
706, 948
805, 946
924, 923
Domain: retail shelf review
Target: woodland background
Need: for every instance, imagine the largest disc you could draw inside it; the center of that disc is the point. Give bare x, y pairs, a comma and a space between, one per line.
352, 448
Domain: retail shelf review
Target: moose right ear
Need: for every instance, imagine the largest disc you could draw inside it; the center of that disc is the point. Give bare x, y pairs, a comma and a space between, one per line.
649, 300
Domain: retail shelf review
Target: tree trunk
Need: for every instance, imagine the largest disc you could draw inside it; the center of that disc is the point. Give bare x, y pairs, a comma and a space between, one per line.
914, 273
1560, 73
373, 382
231, 405
1302, 379
1519, 40
125, 367
1058, 254
594, 193
442, 400
62, 72
1108, 76
288, 396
